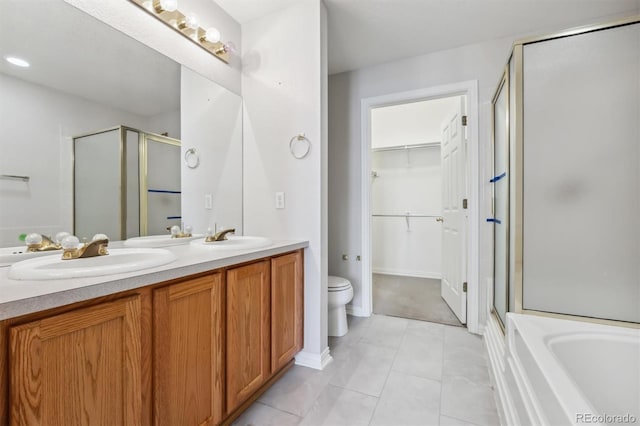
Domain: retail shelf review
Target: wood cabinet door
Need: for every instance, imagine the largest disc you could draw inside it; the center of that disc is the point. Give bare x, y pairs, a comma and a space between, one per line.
188, 352
248, 331
82, 367
287, 287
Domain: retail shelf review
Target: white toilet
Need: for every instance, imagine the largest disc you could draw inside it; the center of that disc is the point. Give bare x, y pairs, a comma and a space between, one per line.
340, 293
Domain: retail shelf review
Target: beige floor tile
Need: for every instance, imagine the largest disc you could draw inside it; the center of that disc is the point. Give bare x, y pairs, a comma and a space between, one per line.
466, 400
298, 389
385, 331
365, 369
263, 415
340, 407
408, 400
420, 356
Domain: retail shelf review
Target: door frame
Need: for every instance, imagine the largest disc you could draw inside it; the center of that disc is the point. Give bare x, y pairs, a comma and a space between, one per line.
465, 88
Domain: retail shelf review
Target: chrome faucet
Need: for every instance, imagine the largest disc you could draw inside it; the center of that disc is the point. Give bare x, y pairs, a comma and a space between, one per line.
219, 236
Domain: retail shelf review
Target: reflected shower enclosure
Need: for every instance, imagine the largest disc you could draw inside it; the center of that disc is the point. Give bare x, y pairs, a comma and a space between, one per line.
126, 183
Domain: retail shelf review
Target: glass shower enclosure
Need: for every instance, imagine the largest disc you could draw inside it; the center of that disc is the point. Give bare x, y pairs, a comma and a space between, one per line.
126, 183
568, 241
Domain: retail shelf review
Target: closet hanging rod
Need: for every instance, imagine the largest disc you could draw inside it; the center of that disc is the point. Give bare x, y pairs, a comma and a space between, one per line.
403, 147
405, 215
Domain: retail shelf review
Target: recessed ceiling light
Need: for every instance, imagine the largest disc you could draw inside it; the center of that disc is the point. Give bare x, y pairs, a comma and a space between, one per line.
17, 61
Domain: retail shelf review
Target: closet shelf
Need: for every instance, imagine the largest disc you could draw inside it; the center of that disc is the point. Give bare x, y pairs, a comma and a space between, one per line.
406, 147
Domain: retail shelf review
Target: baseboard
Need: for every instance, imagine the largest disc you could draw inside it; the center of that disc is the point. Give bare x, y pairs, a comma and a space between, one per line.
417, 274
494, 340
357, 311
315, 361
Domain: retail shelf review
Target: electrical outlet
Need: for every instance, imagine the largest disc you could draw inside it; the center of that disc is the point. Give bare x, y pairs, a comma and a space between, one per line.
208, 201
279, 200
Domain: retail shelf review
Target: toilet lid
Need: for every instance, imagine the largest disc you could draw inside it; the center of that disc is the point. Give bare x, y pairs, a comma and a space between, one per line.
338, 283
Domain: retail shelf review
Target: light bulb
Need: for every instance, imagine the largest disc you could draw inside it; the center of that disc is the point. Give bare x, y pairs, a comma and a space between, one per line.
190, 21
100, 237
169, 5
60, 236
230, 47
212, 35
175, 230
227, 47
19, 62
70, 242
33, 238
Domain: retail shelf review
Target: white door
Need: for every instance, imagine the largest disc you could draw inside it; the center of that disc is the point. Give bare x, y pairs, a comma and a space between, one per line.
453, 153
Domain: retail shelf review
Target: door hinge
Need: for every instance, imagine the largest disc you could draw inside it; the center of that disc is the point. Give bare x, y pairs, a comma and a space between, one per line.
464, 120
465, 203
464, 287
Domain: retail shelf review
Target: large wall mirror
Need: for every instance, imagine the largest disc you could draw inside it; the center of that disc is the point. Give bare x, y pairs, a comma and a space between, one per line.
85, 78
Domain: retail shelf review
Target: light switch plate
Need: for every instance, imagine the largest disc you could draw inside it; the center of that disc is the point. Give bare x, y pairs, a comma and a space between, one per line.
279, 200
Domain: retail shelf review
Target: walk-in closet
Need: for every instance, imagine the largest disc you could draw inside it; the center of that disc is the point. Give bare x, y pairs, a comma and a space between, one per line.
406, 206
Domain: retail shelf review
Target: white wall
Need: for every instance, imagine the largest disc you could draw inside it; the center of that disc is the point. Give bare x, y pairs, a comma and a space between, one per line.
211, 119
283, 86
482, 62
38, 125
409, 181
166, 122
125, 16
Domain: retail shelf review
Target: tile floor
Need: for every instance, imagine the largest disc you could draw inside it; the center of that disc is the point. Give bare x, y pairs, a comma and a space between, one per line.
386, 371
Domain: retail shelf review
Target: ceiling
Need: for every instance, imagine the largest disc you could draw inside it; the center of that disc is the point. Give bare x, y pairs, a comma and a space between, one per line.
368, 32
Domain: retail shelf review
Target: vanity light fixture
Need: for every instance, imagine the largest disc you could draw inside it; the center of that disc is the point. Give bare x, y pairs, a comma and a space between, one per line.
188, 25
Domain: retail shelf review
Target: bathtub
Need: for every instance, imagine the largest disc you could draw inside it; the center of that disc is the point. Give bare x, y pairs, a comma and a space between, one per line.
561, 372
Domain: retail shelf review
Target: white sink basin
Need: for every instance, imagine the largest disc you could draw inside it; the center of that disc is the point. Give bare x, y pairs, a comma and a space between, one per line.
116, 262
234, 243
159, 241
10, 255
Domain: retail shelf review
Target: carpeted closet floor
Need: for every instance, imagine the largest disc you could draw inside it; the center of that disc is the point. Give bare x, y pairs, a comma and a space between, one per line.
411, 297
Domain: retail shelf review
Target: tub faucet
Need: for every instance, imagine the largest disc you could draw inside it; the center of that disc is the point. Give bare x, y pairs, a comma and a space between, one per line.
220, 236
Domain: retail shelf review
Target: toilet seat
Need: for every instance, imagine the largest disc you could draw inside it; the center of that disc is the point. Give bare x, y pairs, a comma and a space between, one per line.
337, 284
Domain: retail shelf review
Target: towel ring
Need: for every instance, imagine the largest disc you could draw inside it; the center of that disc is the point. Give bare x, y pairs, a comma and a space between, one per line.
192, 158
304, 151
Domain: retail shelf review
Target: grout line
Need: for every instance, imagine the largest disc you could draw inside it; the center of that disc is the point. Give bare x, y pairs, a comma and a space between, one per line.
444, 345
462, 420
275, 408
404, 333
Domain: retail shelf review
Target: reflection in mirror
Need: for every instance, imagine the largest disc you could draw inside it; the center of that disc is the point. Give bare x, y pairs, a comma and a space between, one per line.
138, 171
84, 77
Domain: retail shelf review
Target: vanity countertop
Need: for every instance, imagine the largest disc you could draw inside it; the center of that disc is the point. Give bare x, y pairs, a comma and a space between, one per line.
20, 297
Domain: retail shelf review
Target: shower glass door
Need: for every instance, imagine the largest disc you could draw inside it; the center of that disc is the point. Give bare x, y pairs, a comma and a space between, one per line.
500, 182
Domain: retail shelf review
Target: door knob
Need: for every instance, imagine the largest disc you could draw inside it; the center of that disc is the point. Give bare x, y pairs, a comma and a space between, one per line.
439, 219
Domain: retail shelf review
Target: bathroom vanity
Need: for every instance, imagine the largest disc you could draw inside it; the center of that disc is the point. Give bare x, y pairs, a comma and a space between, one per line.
194, 342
